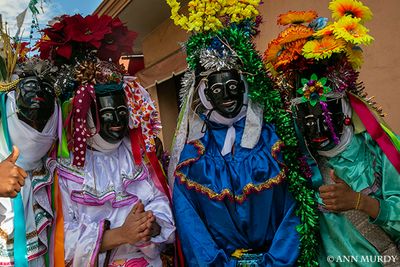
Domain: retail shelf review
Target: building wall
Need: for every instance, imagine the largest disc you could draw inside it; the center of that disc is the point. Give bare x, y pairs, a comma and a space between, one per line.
380, 71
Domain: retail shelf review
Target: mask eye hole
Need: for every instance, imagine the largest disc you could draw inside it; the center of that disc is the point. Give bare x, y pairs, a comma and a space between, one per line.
216, 90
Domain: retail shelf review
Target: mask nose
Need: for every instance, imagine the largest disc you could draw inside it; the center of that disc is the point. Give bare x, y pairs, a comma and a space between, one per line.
116, 116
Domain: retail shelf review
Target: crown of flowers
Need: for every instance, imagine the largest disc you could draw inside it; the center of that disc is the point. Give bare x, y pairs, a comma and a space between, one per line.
71, 37
312, 44
211, 15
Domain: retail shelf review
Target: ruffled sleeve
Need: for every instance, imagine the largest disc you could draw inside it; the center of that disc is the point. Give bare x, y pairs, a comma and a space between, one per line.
83, 236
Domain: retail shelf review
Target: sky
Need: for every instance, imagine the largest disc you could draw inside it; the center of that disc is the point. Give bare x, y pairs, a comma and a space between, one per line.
47, 8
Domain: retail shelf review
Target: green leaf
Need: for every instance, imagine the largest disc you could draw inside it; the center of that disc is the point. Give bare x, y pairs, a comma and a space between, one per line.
327, 89
322, 98
300, 91
323, 80
314, 77
304, 81
313, 102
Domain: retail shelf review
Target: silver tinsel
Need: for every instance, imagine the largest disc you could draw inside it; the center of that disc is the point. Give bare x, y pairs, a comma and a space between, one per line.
37, 67
187, 82
213, 60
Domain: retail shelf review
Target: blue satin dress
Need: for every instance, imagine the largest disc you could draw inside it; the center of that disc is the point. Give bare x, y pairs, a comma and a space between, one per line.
235, 203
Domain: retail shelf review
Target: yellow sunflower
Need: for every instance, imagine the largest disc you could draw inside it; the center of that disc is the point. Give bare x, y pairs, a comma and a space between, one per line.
323, 48
352, 31
296, 17
273, 51
295, 32
354, 56
353, 8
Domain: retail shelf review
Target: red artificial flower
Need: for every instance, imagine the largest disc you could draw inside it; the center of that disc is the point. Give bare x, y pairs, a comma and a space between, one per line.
118, 42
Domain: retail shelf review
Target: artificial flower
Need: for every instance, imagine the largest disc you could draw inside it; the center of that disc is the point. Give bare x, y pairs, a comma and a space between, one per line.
326, 31
314, 90
295, 32
352, 8
274, 49
352, 31
354, 56
296, 17
323, 48
116, 43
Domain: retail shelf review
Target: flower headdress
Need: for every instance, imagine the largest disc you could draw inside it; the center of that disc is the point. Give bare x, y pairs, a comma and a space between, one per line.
222, 38
312, 45
71, 37
83, 46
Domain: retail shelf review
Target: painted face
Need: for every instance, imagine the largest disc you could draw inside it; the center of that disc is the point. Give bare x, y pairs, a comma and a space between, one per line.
313, 126
35, 101
113, 114
225, 90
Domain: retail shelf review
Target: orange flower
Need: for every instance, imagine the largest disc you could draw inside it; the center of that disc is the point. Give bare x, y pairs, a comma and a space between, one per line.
296, 17
273, 51
323, 48
295, 32
353, 8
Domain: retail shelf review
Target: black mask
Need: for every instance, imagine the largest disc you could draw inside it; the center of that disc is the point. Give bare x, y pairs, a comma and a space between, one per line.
225, 90
35, 101
113, 114
312, 124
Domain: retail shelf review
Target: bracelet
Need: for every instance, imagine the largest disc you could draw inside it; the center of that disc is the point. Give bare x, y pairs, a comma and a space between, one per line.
358, 200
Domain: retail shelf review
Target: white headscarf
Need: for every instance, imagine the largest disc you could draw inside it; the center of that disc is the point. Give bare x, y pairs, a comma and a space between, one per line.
32, 144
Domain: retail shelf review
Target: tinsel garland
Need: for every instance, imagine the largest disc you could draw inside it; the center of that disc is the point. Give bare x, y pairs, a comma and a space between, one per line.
238, 38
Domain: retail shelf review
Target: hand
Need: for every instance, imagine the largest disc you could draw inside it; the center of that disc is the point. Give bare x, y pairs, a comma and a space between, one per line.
12, 177
339, 196
136, 227
155, 229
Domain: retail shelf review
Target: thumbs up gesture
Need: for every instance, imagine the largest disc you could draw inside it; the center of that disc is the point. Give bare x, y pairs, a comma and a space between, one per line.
12, 177
339, 196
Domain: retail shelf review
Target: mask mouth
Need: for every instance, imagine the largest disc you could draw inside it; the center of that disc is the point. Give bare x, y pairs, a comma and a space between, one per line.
116, 128
320, 140
38, 99
229, 105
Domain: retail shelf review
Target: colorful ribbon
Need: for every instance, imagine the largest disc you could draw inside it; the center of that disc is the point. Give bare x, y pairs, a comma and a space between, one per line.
20, 246
376, 131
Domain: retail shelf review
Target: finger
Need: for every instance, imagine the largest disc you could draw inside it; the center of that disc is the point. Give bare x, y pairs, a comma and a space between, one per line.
22, 172
134, 209
21, 181
329, 201
335, 178
17, 188
141, 228
14, 155
13, 194
140, 207
327, 188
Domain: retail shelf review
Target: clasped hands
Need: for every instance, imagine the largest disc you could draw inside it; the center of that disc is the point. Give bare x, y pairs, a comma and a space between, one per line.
140, 225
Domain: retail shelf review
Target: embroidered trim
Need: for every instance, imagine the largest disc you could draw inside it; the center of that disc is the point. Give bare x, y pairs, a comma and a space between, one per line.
226, 193
276, 149
98, 242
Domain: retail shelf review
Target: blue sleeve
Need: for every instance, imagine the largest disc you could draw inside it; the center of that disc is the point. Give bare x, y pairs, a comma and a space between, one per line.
285, 247
198, 246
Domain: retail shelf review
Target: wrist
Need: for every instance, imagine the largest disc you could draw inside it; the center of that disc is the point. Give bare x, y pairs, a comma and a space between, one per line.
121, 236
358, 200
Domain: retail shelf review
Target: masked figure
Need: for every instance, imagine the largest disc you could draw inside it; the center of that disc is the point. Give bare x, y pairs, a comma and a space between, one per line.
230, 183
350, 154
115, 212
29, 121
